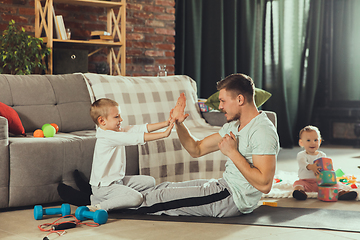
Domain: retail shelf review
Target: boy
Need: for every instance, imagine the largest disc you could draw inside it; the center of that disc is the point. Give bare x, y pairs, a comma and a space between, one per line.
110, 187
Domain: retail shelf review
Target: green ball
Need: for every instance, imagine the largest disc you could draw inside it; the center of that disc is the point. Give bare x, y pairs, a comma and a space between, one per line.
45, 125
49, 131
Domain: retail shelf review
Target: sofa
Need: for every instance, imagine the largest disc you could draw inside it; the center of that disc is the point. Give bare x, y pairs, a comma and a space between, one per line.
31, 168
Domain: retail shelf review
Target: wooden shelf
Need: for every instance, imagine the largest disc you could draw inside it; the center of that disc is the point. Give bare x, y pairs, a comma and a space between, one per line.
92, 43
44, 29
91, 3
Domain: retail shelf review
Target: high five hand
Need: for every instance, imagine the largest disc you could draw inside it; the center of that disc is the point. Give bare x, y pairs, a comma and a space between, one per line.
178, 112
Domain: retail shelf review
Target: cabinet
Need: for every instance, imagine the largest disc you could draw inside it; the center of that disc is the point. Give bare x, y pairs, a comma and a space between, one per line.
116, 26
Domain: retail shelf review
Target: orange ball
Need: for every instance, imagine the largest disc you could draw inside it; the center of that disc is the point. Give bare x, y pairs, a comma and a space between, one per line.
55, 126
38, 133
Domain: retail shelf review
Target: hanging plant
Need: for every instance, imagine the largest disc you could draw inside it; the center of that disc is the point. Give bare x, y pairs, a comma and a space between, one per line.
20, 53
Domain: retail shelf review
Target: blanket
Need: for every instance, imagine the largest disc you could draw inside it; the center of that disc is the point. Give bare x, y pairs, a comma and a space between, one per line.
284, 188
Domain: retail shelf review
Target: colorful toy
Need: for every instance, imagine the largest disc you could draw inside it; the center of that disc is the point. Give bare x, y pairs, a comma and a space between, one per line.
49, 131
271, 204
99, 216
38, 133
325, 164
326, 178
39, 211
328, 193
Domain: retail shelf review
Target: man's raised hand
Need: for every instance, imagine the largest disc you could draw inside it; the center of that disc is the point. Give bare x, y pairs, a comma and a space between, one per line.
178, 112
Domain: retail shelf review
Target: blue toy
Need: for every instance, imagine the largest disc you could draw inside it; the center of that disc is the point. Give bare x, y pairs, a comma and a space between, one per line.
99, 216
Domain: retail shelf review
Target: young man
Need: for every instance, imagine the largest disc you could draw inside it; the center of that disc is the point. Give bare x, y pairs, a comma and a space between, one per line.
250, 142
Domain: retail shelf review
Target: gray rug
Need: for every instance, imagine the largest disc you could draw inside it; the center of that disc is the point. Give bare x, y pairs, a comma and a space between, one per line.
311, 218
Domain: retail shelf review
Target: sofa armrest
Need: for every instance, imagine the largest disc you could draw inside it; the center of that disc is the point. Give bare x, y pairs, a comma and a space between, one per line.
4, 132
219, 119
4, 163
214, 118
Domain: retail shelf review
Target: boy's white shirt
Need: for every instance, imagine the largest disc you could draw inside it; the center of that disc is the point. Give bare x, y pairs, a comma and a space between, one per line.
109, 160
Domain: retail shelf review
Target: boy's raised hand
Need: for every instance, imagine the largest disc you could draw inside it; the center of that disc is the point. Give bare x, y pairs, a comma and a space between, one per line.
168, 130
178, 112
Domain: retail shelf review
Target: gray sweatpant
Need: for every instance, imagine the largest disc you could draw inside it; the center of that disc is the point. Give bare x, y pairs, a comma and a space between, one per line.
190, 198
126, 193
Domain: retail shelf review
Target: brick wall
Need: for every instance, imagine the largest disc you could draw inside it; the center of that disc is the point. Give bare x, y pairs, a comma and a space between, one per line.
149, 30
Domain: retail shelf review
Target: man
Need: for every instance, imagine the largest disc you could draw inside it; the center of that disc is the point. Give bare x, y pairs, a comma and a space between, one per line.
250, 142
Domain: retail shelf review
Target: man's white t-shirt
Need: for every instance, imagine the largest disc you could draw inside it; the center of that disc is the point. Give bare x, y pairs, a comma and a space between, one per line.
258, 137
109, 160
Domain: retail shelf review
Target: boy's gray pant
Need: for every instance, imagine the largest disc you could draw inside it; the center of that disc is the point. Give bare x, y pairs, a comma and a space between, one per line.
126, 193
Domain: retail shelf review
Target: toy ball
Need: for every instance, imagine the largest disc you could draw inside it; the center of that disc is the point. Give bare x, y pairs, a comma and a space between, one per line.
55, 126
49, 131
45, 125
38, 133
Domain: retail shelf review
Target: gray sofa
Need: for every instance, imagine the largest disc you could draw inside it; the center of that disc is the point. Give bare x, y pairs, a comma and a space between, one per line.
31, 168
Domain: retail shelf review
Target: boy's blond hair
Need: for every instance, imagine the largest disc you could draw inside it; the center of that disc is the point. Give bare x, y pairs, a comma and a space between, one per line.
310, 128
100, 108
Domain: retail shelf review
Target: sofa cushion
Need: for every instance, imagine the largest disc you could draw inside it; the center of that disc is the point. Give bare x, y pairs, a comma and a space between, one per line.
40, 99
14, 122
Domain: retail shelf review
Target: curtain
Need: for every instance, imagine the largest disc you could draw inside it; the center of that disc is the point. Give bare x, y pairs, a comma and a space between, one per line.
276, 42
346, 50
216, 38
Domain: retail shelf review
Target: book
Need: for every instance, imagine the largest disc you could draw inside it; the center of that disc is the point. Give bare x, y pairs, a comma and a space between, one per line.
104, 33
103, 37
62, 29
57, 29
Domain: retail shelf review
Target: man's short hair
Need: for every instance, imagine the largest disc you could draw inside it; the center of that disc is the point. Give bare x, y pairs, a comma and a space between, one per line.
238, 83
101, 108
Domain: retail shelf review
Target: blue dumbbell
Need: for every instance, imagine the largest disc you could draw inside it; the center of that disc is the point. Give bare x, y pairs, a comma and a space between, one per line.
99, 216
39, 211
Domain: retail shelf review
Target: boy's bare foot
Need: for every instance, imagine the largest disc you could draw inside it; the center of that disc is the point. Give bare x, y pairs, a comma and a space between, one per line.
299, 195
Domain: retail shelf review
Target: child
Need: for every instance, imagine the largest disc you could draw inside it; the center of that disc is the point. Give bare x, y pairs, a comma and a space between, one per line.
310, 140
111, 189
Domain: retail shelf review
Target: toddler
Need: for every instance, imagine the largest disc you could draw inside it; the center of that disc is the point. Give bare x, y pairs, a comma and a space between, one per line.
310, 140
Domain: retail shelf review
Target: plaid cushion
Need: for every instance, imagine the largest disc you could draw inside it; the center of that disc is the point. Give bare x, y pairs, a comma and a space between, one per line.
149, 100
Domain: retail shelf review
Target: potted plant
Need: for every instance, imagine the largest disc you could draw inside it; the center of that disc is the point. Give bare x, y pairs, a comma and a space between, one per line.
21, 53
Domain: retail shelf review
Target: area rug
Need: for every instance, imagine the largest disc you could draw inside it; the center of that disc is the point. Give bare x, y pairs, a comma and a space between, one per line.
283, 186
309, 218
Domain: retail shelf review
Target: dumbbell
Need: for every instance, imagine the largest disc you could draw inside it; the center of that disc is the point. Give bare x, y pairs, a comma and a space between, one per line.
99, 216
39, 211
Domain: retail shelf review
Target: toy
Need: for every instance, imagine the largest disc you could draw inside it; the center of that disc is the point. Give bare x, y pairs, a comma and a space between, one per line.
325, 164
39, 211
99, 216
38, 133
328, 193
55, 126
49, 131
326, 178
271, 204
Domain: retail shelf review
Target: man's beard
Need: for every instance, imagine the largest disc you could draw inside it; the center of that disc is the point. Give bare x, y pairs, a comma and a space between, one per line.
234, 118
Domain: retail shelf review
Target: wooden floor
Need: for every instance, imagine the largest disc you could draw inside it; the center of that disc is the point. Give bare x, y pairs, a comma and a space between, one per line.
20, 224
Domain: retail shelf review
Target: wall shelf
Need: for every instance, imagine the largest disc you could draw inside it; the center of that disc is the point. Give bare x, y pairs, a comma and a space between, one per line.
116, 23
